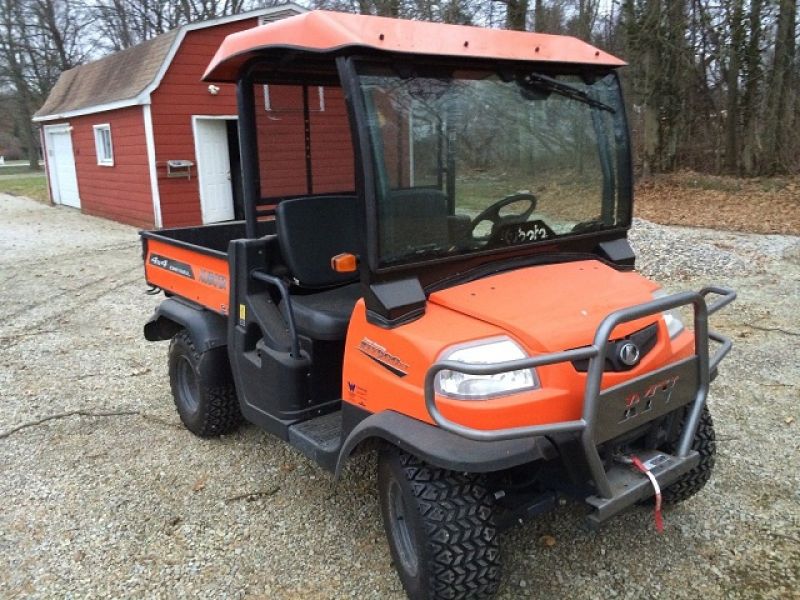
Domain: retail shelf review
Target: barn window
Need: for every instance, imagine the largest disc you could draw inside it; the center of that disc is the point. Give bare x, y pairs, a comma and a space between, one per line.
102, 143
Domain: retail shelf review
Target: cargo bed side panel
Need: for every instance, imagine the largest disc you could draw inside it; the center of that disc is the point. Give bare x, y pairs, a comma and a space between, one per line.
196, 276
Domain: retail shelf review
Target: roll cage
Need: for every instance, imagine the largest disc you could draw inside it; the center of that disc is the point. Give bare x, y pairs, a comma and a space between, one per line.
395, 293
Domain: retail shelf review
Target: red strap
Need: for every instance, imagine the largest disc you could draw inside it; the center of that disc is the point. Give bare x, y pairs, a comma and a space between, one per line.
641, 468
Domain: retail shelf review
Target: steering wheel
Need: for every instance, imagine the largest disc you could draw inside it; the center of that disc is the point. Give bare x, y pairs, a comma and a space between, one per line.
492, 213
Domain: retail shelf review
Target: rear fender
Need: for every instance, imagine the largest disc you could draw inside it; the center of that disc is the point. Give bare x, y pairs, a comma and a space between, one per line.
206, 328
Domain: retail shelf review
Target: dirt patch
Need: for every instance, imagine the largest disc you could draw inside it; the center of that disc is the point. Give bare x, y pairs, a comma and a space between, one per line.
769, 205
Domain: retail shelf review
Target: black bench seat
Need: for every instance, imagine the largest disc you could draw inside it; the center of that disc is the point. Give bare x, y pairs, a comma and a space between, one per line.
325, 315
311, 230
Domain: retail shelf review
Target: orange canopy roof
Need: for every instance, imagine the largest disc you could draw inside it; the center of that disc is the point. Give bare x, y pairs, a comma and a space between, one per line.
324, 31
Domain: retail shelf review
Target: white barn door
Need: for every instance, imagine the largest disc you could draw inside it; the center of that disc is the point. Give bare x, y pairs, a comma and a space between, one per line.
213, 169
61, 166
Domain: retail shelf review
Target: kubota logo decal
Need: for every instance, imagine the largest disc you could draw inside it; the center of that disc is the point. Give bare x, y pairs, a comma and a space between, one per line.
629, 354
381, 356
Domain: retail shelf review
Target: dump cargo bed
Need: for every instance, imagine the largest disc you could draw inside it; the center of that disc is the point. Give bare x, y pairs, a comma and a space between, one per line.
192, 262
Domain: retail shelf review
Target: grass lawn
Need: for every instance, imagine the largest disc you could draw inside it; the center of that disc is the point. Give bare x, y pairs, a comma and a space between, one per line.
16, 169
33, 186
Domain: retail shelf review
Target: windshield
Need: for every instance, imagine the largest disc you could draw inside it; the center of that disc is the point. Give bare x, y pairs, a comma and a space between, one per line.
470, 161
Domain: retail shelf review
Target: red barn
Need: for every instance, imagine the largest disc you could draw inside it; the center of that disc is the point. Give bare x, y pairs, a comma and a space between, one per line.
137, 137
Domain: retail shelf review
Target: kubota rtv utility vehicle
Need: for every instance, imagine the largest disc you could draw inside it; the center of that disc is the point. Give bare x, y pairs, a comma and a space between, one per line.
468, 306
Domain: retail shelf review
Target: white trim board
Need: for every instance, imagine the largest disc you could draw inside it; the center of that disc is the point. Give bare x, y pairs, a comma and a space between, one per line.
150, 142
52, 183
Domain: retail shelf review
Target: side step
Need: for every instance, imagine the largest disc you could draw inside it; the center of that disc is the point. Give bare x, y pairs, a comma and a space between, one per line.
319, 438
629, 486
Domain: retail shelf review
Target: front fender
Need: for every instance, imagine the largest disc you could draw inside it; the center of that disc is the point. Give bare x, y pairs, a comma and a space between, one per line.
442, 448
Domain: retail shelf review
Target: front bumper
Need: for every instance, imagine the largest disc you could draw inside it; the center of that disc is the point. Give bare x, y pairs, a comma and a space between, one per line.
610, 413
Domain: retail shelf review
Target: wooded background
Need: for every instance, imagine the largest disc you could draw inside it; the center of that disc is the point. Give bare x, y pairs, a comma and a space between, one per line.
713, 85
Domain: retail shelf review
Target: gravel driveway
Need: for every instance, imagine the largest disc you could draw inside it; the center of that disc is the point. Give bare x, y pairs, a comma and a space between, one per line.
129, 504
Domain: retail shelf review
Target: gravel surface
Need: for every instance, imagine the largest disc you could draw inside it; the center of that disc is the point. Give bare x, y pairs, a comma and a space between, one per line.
132, 505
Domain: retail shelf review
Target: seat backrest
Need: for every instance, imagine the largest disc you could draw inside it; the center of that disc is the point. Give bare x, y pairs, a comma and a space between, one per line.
413, 217
313, 229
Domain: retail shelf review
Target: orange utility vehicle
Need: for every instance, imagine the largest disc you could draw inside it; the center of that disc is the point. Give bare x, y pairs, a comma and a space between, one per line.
469, 308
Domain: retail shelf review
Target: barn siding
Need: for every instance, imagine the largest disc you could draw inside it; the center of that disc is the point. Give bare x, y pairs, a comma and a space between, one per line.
331, 147
281, 142
281, 145
120, 192
181, 95
123, 192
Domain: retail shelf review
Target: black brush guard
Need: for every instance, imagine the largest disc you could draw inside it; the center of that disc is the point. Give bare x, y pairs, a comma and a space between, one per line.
608, 414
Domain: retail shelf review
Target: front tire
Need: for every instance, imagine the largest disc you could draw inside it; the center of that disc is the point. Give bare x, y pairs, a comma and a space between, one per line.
695, 480
202, 387
440, 527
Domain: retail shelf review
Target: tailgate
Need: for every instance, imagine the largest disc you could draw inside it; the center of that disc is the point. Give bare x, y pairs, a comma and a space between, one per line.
194, 273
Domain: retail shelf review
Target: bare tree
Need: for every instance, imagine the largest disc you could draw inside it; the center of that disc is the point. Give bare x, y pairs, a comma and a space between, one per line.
780, 115
713, 86
516, 14
734, 68
38, 40
125, 23
14, 71
750, 104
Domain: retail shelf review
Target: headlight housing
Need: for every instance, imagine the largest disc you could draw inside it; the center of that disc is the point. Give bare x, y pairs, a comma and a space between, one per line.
671, 317
455, 384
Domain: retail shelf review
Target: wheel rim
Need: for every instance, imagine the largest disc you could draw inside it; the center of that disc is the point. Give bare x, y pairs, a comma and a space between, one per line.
187, 384
401, 530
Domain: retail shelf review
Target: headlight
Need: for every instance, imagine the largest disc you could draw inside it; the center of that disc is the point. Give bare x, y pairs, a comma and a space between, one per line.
477, 387
671, 317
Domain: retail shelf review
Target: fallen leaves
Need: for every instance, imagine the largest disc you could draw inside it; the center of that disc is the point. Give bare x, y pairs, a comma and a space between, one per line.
200, 484
547, 541
696, 200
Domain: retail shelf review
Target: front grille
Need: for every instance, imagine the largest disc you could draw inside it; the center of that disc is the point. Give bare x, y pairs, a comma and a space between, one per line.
645, 339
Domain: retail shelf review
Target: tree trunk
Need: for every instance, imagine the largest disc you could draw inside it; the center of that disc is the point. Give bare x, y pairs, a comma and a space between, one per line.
516, 15
651, 65
672, 88
778, 118
732, 118
538, 16
752, 92
586, 10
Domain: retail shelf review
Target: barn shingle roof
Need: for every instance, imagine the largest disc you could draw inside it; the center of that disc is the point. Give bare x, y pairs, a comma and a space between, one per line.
117, 77
125, 78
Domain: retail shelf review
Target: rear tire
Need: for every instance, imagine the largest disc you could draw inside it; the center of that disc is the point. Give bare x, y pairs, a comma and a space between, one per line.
695, 480
440, 527
202, 387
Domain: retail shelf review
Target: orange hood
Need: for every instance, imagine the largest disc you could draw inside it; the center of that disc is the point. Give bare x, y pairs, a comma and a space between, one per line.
551, 307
